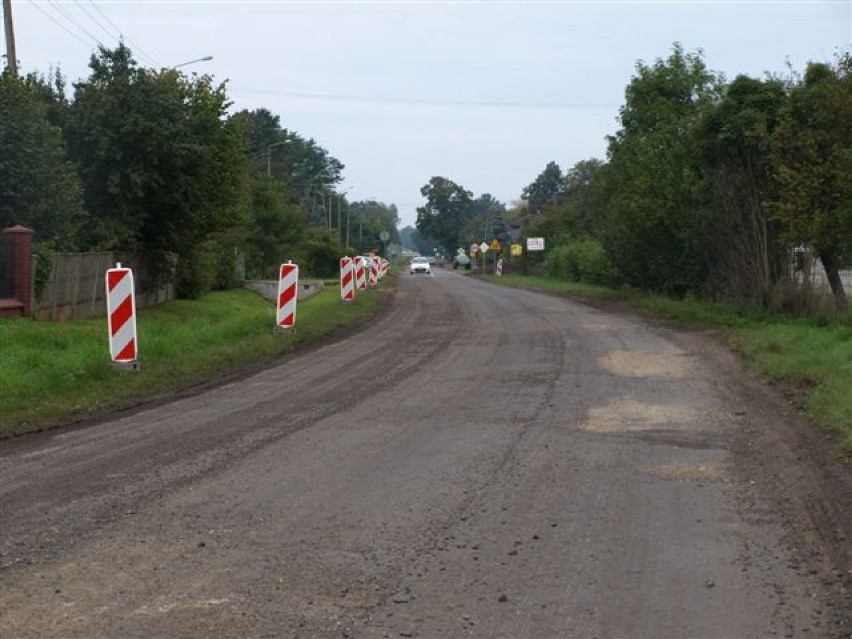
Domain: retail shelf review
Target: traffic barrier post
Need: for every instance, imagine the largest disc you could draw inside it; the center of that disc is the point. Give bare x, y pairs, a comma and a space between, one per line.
288, 295
374, 273
360, 274
347, 284
121, 317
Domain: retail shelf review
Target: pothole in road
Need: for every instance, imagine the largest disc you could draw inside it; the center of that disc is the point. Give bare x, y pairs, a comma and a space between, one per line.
626, 414
704, 471
635, 364
598, 328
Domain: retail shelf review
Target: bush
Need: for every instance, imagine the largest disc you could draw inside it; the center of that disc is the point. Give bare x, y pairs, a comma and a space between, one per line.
43, 267
318, 255
560, 264
228, 273
196, 272
581, 261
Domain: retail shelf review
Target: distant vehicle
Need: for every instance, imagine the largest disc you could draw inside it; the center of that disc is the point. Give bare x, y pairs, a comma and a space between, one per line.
420, 265
461, 260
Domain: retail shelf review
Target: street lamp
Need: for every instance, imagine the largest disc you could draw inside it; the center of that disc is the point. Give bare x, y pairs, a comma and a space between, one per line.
269, 156
361, 221
206, 58
339, 228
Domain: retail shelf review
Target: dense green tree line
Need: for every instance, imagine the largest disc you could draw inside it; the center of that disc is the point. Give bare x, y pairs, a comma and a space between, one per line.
452, 218
150, 161
709, 187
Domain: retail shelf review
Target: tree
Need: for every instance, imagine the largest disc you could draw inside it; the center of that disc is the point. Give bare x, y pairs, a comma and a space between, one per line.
39, 186
275, 229
412, 239
486, 221
578, 209
546, 189
584, 188
260, 128
734, 144
813, 165
161, 165
654, 227
367, 220
447, 210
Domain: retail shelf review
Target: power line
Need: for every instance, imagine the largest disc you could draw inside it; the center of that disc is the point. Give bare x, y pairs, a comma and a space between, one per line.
61, 26
132, 44
70, 19
95, 20
504, 104
62, 11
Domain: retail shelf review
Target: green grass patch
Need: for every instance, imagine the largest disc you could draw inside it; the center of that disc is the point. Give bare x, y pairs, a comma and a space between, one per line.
814, 363
556, 286
691, 311
811, 360
52, 373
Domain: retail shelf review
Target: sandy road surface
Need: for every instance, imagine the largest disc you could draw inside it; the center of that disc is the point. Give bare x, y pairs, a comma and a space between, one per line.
482, 462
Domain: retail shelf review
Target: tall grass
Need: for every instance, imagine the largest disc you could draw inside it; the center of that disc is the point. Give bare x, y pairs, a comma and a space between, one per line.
51, 373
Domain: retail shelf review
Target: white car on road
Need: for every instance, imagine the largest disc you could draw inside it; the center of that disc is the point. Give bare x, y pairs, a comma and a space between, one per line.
420, 265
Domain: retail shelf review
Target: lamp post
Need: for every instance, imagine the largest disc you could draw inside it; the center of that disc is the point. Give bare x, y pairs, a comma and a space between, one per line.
269, 156
361, 223
206, 58
340, 228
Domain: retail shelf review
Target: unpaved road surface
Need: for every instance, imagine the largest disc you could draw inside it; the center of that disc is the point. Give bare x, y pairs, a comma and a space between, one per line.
478, 462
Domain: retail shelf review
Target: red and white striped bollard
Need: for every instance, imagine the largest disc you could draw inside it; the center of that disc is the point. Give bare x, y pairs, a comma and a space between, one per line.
360, 274
374, 272
347, 284
288, 295
121, 316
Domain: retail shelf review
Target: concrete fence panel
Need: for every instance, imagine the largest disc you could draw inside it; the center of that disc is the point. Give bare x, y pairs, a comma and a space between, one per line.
75, 289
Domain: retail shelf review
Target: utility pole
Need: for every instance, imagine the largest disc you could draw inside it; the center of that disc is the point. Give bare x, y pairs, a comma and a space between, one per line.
339, 228
360, 226
11, 56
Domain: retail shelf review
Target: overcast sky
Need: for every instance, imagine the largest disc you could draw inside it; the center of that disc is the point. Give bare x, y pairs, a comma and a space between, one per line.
483, 93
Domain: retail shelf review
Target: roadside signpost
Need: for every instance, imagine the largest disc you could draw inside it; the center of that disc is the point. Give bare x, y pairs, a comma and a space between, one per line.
535, 243
483, 251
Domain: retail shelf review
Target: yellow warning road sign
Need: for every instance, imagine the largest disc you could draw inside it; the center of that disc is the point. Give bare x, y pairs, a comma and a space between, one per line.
495, 245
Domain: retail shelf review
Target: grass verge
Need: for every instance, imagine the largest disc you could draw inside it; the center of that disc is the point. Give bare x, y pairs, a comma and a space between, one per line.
54, 373
811, 361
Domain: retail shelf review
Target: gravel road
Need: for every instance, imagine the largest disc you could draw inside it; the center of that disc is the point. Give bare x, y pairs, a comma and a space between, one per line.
477, 462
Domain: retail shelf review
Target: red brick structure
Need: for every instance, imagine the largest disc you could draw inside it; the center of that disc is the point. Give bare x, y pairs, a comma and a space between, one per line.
16, 291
